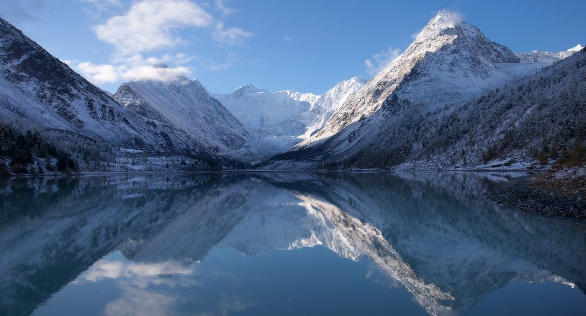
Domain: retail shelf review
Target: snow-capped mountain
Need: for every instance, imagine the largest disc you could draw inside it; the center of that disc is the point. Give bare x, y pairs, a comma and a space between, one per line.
527, 123
285, 118
539, 56
449, 62
39, 91
330, 102
257, 108
192, 119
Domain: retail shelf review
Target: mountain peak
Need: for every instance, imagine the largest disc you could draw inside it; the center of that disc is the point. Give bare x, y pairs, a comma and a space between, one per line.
249, 88
440, 23
356, 79
445, 18
576, 48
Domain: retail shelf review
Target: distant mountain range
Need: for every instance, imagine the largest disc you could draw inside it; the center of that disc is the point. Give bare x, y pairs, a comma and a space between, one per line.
453, 99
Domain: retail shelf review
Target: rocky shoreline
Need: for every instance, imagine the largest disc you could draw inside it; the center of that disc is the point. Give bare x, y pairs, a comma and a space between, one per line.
553, 193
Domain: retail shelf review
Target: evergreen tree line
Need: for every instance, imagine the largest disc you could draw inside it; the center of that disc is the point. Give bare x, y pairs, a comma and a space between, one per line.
30, 153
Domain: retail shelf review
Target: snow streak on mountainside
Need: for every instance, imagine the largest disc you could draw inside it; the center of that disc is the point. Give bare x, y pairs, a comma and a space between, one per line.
183, 110
37, 89
449, 63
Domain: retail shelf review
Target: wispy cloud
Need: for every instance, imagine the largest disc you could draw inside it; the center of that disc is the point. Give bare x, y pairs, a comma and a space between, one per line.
150, 25
222, 7
379, 61
230, 36
103, 5
289, 39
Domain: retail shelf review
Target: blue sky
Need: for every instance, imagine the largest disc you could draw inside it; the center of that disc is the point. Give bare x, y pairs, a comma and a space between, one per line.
302, 45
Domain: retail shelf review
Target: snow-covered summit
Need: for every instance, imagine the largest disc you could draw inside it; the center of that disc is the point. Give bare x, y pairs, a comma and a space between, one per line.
247, 89
576, 48
258, 108
449, 60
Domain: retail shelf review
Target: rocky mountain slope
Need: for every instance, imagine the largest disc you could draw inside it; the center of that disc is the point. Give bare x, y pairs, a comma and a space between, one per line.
449, 63
40, 93
192, 119
38, 89
536, 121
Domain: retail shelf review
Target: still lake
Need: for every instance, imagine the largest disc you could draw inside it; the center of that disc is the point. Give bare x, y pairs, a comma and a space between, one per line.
282, 244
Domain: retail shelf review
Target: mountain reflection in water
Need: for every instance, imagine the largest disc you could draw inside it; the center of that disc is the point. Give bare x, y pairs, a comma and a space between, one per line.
432, 233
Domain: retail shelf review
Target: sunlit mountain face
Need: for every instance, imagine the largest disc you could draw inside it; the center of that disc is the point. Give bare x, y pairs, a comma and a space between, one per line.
266, 244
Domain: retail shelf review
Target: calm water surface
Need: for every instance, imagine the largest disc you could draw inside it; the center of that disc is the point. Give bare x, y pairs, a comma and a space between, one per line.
282, 244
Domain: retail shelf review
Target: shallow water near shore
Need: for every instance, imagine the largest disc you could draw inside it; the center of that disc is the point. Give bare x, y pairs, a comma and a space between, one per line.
282, 244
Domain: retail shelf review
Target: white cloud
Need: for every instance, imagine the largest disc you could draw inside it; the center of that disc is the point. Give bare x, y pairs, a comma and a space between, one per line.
225, 10
134, 67
98, 74
154, 73
379, 61
150, 25
138, 275
138, 302
230, 36
289, 39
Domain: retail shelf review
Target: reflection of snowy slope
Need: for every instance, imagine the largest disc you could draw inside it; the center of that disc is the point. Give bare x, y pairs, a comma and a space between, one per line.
286, 222
446, 251
417, 235
193, 233
74, 226
433, 233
